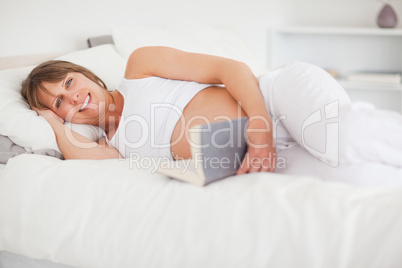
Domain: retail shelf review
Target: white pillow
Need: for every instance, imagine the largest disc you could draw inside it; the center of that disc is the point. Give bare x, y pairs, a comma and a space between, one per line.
23, 126
214, 39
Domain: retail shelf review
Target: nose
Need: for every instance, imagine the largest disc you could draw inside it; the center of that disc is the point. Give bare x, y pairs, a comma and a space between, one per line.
74, 96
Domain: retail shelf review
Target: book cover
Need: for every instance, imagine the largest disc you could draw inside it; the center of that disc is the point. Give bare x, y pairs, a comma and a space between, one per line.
217, 151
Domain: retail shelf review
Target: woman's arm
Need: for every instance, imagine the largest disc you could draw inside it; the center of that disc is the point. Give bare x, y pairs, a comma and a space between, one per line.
75, 146
236, 76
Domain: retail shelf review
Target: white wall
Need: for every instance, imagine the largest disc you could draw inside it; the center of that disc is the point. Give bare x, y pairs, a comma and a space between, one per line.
43, 26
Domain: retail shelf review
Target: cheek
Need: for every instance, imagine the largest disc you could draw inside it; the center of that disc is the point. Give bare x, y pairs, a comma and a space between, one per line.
66, 112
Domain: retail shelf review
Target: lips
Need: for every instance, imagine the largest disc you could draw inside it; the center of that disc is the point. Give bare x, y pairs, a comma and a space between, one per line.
84, 105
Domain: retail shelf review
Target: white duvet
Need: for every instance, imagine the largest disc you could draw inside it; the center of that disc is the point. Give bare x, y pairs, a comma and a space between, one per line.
89, 213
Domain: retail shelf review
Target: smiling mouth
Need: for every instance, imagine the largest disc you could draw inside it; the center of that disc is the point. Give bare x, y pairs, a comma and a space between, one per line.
84, 105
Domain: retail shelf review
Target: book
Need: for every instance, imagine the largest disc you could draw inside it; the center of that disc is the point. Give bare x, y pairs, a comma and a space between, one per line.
375, 77
217, 151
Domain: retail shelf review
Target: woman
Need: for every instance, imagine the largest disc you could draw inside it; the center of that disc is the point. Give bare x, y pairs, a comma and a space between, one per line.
62, 91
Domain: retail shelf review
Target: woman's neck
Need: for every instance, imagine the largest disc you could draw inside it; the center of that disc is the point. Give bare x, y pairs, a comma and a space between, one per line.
113, 113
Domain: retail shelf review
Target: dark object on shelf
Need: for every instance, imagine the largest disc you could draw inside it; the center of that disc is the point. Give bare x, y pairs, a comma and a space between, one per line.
387, 17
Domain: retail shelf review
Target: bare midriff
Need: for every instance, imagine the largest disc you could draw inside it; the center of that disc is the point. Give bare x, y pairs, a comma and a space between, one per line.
210, 105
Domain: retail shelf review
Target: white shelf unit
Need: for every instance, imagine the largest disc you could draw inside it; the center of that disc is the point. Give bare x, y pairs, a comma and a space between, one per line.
345, 50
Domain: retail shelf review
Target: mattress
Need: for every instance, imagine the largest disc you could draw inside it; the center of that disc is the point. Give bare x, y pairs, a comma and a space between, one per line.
135, 218
10, 260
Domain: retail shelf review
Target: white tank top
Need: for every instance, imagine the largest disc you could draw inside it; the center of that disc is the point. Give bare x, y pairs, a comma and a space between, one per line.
152, 108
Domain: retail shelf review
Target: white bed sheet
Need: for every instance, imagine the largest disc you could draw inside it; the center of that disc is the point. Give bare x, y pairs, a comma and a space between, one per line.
87, 213
10, 260
368, 174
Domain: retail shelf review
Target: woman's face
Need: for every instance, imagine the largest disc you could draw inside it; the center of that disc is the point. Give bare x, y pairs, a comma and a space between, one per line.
76, 99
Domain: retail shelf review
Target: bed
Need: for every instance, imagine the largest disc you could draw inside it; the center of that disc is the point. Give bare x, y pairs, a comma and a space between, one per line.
114, 213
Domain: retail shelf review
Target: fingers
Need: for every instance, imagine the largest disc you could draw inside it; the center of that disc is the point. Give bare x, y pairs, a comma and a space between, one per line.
49, 115
244, 167
269, 164
34, 109
252, 164
38, 112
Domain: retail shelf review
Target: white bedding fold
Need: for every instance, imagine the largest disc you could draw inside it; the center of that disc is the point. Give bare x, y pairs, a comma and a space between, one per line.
370, 135
103, 214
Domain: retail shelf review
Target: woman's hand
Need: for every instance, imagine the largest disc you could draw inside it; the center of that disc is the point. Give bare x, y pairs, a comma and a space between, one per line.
261, 152
49, 115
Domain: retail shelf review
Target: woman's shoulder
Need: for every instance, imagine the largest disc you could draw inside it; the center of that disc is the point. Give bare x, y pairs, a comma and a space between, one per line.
136, 67
134, 86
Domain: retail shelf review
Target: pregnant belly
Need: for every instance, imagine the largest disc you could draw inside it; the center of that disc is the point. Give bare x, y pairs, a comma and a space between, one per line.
210, 105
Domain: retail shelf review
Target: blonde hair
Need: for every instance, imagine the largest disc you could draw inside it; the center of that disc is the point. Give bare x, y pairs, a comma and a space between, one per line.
51, 72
